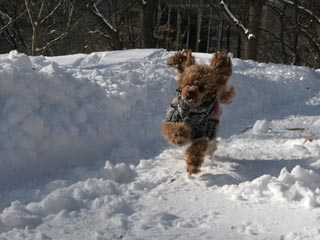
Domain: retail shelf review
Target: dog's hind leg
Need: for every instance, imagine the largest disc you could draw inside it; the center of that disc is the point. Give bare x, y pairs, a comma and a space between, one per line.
195, 155
212, 147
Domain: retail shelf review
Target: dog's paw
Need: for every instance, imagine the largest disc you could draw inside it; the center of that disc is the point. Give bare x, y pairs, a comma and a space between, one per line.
180, 137
176, 133
193, 169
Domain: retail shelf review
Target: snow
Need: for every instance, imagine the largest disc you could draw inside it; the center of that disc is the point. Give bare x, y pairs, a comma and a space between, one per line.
260, 126
251, 36
55, 117
82, 156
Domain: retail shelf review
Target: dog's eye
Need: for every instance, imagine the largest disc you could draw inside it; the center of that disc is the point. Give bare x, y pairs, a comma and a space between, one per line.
202, 88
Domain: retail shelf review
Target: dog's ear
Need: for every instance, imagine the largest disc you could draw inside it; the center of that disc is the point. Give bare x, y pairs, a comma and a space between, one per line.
190, 59
181, 59
222, 64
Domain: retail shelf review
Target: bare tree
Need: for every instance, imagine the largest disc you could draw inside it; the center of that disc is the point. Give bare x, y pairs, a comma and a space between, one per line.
11, 15
251, 32
199, 24
37, 17
240, 26
149, 8
297, 33
110, 28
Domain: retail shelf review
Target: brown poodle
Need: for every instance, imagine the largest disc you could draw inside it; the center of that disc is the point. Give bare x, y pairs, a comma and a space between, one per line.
194, 115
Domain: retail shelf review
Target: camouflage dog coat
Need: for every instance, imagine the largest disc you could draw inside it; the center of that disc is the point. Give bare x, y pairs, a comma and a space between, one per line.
203, 120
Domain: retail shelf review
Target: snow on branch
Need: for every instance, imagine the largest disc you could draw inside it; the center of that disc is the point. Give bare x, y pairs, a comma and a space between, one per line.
303, 9
233, 18
97, 12
100, 33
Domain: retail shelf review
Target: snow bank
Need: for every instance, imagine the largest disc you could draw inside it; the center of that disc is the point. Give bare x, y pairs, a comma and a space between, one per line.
101, 191
61, 112
269, 91
53, 117
298, 186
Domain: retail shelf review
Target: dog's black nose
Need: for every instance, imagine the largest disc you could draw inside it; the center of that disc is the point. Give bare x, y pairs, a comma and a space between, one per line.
191, 94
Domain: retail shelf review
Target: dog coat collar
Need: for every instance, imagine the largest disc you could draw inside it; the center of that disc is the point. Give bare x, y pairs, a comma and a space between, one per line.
205, 110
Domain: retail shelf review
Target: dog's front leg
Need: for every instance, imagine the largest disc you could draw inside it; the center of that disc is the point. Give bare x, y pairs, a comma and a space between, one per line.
177, 133
195, 155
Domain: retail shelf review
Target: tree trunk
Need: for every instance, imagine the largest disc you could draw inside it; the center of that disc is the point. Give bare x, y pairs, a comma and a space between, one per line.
158, 23
178, 36
168, 26
199, 22
251, 41
228, 38
209, 32
148, 10
189, 26
34, 43
220, 35
282, 29
239, 43
296, 60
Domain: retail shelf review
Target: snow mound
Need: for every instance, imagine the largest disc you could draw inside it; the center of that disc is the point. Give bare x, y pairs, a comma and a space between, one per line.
53, 117
64, 112
300, 186
260, 126
61, 200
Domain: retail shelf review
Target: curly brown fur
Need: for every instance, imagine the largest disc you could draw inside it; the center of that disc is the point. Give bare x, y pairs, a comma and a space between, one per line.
222, 65
176, 133
226, 94
195, 155
181, 60
199, 83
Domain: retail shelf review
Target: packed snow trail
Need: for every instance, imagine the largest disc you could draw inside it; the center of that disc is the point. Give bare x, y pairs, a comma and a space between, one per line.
80, 142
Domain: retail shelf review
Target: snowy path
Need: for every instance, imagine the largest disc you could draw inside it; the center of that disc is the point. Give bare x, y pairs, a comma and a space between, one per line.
157, 199
262, 183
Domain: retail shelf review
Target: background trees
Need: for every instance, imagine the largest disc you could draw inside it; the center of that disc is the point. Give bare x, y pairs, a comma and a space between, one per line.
282, 31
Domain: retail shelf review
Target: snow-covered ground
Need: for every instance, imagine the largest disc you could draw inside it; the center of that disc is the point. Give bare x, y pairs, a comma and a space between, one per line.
82, 157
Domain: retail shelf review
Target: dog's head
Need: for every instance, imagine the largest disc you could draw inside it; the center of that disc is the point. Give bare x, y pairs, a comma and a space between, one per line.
197, 84
200, 83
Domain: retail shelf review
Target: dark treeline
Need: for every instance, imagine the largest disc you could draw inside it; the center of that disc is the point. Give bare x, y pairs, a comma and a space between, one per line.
280, 31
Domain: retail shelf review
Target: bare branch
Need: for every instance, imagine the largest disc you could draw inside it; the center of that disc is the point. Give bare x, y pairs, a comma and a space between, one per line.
51, 13
303, 10
233, 18
100, 33
53, 41
96, 11
12, 20
311, 39
41, 12
28, 7
63, 35
5, 15
276, 37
